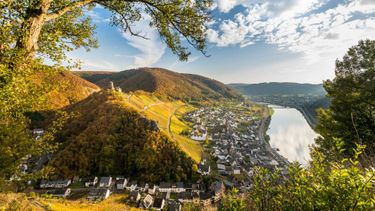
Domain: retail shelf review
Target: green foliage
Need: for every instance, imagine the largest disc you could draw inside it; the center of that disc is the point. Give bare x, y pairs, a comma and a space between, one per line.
323, 186
351, 115
232, 202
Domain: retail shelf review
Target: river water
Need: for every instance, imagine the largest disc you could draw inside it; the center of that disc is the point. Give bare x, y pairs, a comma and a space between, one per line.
291, 134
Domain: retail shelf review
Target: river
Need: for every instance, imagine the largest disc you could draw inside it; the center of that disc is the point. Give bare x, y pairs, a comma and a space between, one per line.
291, 134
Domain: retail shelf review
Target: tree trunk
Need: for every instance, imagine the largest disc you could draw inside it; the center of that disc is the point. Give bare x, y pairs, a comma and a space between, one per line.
32, 26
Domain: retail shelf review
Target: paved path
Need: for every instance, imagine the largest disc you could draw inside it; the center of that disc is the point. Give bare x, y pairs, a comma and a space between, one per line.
148, 106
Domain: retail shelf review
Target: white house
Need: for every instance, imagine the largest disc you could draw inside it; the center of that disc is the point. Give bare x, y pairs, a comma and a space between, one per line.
91, 181
105, 182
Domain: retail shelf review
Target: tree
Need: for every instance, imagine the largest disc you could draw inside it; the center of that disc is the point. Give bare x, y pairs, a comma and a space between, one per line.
51, 27
339, 185
351, 115
34, 29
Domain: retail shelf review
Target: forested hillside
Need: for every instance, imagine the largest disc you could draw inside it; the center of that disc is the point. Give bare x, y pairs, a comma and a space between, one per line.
163, 83
67, 89
106, 137
275, 88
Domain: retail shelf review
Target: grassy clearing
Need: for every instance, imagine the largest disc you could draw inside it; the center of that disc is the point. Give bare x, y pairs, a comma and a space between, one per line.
19, 201
191, 147
160, 113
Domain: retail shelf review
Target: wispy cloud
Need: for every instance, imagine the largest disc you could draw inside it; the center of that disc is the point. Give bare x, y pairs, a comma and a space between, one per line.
152, 49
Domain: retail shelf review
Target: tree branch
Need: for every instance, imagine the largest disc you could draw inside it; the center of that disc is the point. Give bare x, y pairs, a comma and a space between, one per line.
68, 8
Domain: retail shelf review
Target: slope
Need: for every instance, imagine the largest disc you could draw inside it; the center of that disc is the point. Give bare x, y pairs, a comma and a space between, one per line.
163, 83
107, 137
63, 88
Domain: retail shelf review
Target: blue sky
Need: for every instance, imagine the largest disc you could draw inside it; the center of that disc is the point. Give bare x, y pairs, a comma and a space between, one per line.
249, 41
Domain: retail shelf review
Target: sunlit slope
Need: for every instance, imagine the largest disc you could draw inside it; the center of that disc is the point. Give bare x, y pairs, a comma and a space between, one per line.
162, 112
163, 83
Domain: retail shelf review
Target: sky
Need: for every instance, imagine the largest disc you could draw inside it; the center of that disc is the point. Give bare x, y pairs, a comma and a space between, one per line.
249, 41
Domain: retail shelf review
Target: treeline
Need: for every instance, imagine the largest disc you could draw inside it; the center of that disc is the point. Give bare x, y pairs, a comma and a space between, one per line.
107, 138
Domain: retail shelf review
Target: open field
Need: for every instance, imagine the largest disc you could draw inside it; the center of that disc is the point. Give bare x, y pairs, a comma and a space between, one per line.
153, 108
19, 201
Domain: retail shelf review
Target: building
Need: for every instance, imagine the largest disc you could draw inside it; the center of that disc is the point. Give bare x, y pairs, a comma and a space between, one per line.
148, 201
134, 196
158, 204
203, 170
91, 181
205, 199
165, 187
152, 189
174, 206
105, 182
121, 183
59, 192
98, 194
218, 188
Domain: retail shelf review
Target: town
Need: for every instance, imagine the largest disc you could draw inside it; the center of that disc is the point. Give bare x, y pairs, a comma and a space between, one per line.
232, 136
235, 143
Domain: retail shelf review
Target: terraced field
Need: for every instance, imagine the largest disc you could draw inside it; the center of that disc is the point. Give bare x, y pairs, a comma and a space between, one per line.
164, 113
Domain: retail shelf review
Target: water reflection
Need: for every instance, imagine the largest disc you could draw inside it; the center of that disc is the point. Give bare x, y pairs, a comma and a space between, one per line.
290, 132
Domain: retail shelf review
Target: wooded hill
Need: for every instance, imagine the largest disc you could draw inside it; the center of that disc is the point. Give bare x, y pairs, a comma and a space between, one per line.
67, 88
275, 88
162, 83
107, 137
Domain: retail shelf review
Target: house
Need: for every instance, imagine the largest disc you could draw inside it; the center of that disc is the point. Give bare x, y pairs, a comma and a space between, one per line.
165, 187
236, 171
91, 181
98, 194
43, 184
132, 186
174, 206
205, 199
158, 204
62, 183
185, 197
134, 196
59, 192
195, 197
121, 183
148, 201
142, 187
180, 187
203, 170
218, 189
196, 188
105, 182
152, 189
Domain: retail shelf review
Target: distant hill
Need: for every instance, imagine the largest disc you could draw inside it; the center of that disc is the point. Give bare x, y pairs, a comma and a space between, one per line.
67, 89
275, 88
107, 137
163, 83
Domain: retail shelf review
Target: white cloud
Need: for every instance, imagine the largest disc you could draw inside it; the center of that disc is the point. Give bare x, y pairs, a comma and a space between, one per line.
296, 26
152, 49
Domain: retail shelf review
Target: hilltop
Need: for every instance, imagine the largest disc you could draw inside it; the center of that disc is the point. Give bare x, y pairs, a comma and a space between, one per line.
276, 88
107, 137
163, 83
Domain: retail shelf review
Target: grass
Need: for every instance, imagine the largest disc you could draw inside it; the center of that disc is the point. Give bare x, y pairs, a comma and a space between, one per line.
114, 202
77, 185
191, 147
160, 113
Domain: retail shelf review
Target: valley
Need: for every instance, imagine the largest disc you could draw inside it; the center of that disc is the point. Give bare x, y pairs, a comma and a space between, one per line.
144, 136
